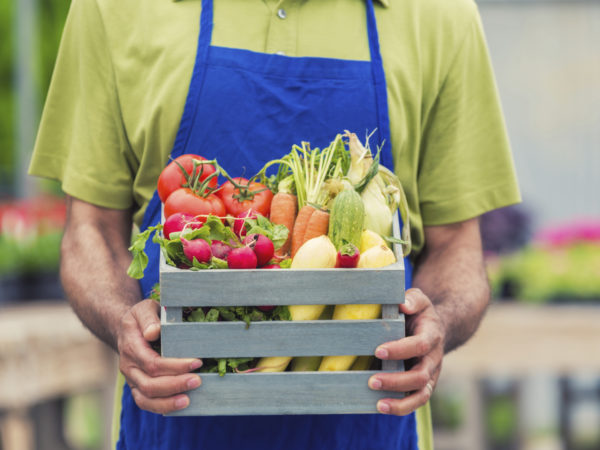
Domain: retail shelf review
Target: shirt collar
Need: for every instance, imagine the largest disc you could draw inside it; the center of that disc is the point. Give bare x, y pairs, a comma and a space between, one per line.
385, 3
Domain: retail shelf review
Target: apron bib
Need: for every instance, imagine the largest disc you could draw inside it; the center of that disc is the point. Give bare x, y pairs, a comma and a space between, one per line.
245, 108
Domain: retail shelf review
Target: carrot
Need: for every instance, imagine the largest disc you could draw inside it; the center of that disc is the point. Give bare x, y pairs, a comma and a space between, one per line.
300, 227
318, 225
283, 212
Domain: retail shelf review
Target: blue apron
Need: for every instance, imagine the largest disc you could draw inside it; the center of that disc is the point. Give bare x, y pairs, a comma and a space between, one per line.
245, 108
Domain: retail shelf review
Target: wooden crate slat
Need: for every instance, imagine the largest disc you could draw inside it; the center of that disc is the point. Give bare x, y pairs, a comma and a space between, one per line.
279, 338
281, 286
285, 393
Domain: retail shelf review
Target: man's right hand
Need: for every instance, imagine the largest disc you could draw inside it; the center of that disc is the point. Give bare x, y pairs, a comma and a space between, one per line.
157, 384
94, 262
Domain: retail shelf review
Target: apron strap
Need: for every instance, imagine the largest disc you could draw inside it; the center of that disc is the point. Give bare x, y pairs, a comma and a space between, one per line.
383, 133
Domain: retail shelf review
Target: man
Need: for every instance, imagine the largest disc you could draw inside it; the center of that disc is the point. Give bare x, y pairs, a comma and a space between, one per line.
127, 93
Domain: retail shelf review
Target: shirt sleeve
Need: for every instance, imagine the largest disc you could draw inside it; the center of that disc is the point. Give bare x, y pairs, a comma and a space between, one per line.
81, 139
465, 165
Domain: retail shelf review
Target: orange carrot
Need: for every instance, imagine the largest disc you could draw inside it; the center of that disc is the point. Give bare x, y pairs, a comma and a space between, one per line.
283, 212
318, 225
300, 227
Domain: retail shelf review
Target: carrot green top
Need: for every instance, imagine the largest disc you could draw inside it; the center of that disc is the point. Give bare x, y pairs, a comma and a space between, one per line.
123, 70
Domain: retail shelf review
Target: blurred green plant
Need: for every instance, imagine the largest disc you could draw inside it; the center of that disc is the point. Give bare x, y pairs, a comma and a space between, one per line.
562, 264
50, 18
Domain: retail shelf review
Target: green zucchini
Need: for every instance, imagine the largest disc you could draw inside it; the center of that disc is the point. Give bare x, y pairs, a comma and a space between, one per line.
347, 219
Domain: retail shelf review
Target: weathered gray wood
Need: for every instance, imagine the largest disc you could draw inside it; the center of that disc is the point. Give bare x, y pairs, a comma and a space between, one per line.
285, 393
173, 314
281, 286
303, 338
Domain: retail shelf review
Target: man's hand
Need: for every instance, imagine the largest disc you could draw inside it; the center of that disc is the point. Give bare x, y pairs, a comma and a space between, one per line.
156, 383
443, 310
94, 262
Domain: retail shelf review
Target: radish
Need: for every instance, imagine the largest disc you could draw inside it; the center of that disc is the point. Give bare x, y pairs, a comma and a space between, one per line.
271, 266
348, 256
240, 221
262, 246
266, 308
241, 258
177, 222
220, 249
197, 248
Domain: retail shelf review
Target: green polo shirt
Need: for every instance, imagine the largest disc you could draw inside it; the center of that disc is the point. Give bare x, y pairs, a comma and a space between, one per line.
123, 71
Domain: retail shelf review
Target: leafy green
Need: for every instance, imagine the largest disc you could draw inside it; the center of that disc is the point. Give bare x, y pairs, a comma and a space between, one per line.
140, 259
261, 225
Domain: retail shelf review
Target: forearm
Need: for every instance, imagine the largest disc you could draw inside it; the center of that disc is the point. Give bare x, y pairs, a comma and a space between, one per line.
93, 272
453, 276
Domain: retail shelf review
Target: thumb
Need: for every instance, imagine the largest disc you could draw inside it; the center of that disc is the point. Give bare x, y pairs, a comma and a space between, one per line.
146, 314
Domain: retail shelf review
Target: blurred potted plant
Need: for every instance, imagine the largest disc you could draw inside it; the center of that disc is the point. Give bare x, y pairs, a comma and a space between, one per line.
30, 234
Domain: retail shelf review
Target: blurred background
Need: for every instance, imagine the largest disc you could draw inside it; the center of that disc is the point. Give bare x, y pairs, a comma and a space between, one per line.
529, 379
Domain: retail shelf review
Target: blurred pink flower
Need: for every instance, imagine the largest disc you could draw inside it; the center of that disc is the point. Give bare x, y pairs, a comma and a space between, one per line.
580, 230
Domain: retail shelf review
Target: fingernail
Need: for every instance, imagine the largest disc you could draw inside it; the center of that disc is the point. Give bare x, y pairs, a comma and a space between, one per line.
381, 353
407, 301
375, 383
383, 407
196, 364
193, 382
150, 328
182, 402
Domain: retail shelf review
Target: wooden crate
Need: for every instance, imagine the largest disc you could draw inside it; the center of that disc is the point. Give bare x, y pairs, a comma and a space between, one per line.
287, 392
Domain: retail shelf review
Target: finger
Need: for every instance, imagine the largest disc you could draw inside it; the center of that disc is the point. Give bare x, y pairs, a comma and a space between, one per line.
153, 364
411, 346
425, 371
160, 405
146, 315
409, 381
406, 405
414, 301
164, 386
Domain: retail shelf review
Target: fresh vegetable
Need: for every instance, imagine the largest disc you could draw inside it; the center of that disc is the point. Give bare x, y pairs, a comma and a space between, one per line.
347, 218
262, 247
305, 363
197, 249
176, 223
379, 256
239, 195
375, 257
283, 212
317, 225
197, 204
300, 227
239, 224
347, 256
381, 191
370, 239
362, 362
182, 172
220, 249
316, 253
241, 258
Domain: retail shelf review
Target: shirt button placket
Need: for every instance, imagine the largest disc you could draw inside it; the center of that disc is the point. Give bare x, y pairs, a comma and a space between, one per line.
282, 36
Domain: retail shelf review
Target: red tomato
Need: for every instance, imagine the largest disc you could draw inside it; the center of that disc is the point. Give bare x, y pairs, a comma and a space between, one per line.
184, 200
171, 178
254, 195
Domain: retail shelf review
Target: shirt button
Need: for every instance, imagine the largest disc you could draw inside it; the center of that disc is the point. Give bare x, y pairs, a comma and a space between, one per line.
281, 13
